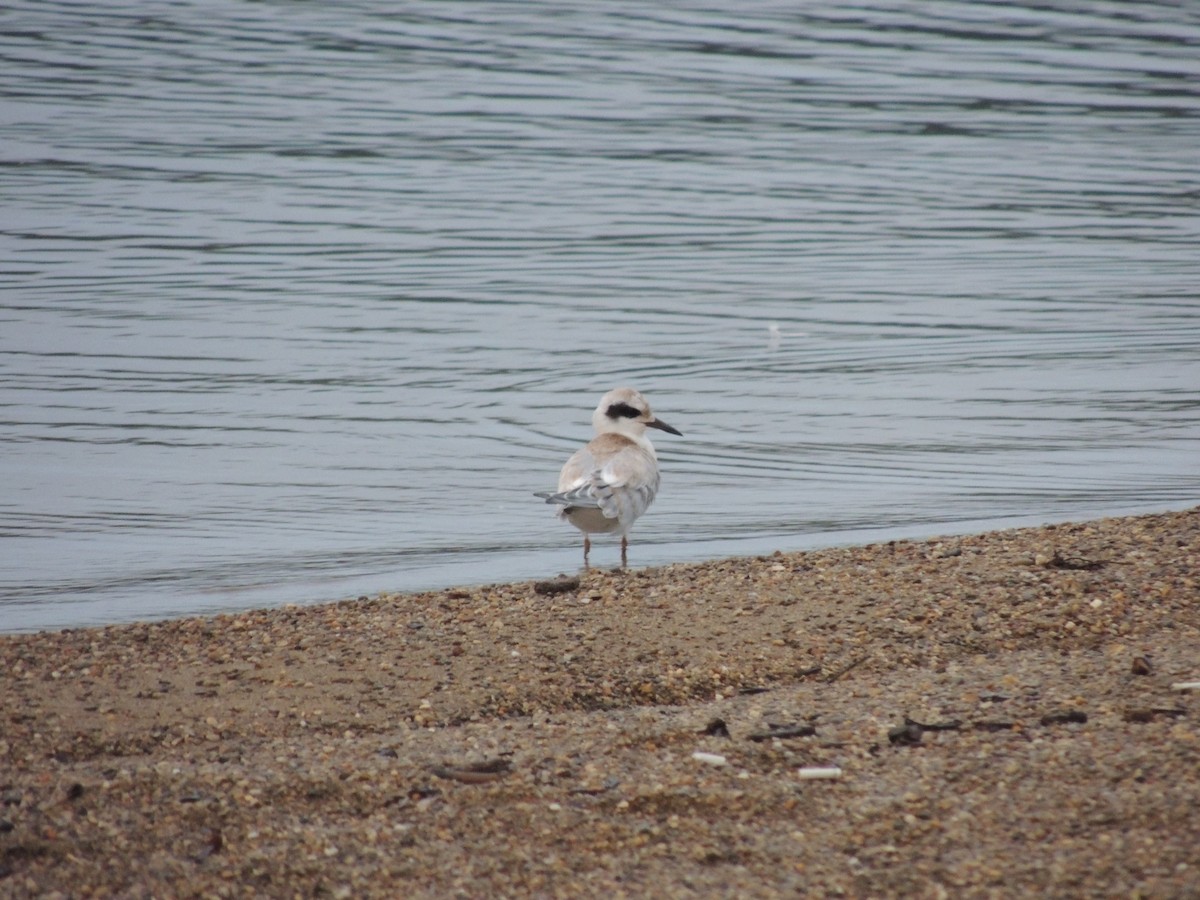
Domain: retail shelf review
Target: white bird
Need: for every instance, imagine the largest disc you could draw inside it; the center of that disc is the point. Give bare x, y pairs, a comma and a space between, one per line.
606, 485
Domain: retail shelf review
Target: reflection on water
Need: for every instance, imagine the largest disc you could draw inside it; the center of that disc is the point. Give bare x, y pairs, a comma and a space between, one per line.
302, 301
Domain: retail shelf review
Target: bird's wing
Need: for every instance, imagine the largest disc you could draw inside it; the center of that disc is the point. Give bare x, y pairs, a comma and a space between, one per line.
613, 474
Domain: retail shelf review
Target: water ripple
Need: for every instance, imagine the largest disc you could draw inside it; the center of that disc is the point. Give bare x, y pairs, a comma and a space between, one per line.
304, 301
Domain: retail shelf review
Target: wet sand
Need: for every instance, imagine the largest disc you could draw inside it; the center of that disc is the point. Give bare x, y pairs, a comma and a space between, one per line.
996, 715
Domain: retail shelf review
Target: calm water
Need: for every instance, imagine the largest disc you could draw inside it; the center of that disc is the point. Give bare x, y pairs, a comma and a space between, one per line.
302, 301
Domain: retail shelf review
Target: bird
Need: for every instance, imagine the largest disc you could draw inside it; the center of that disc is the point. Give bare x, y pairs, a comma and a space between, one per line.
606, 485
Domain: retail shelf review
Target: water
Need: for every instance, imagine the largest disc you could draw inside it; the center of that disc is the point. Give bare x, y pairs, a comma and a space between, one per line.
303, 301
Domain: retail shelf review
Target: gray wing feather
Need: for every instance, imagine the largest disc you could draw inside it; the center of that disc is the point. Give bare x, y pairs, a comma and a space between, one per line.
580, 496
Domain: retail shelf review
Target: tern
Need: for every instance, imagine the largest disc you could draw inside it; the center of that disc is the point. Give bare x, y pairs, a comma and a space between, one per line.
606, 485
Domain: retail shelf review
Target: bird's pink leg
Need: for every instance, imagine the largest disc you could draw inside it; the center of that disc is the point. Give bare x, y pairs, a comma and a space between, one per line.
587, 548
624, 547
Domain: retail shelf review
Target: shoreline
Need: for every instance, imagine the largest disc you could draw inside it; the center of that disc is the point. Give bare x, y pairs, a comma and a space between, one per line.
568, 556
999, 708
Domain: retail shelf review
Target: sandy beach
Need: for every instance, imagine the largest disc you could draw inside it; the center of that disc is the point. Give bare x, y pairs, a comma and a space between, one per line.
1011, 714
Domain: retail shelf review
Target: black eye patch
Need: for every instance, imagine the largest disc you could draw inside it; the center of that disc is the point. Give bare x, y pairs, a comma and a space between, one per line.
622, 410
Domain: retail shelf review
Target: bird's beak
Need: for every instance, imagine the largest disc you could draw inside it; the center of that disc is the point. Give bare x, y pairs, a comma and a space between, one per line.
663, 426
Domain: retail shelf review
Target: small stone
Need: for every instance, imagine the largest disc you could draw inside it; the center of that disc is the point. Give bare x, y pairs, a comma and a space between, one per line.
817, 772
560, 585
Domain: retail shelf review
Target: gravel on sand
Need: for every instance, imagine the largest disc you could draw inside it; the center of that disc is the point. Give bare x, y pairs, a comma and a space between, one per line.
997, 715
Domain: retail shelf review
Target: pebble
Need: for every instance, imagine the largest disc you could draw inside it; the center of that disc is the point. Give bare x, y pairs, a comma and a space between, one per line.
817, 772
